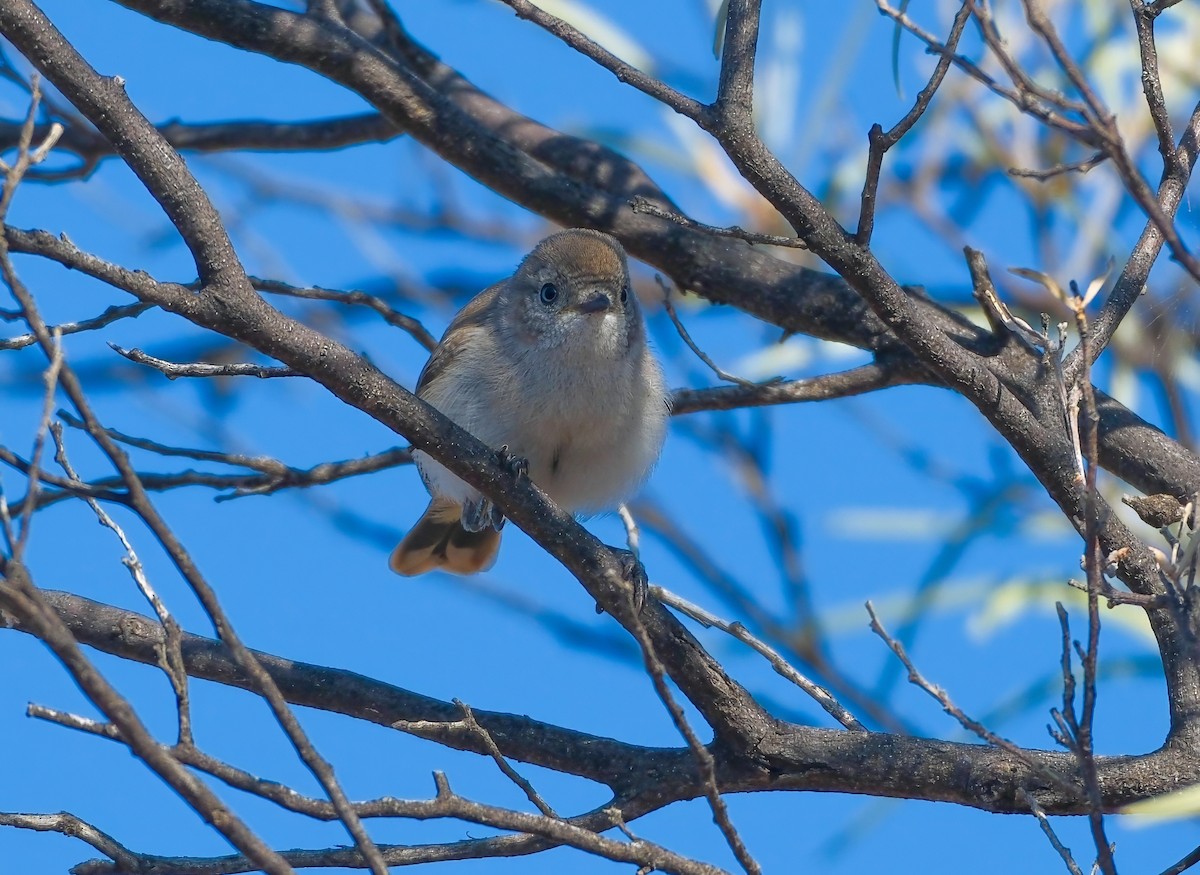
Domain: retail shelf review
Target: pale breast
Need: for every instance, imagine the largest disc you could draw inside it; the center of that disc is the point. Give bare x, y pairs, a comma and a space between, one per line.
594, 441
590, 435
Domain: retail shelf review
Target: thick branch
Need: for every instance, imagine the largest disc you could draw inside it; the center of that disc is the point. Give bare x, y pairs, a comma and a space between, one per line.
801, 758
735, 90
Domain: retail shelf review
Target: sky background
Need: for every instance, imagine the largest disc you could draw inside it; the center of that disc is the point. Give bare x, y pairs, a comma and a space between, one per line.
304, 575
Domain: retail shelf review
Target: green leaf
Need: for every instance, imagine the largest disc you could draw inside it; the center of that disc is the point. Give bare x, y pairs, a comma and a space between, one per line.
719, 33
1169, 806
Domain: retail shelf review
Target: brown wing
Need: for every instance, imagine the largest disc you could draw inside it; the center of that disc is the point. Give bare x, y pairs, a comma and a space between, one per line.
459, 332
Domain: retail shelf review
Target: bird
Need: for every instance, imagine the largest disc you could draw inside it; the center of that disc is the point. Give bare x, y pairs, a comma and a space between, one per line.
551, 366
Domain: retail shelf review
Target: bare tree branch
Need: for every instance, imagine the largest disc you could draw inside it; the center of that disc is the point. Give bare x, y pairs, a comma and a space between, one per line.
109, 316
1039, 402
232, 136
819, 694
881, 142
70, 825
802, 758
174, 370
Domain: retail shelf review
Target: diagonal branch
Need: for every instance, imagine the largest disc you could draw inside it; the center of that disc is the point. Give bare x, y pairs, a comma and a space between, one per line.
1132, 281
624, 72
198, 222
229, 305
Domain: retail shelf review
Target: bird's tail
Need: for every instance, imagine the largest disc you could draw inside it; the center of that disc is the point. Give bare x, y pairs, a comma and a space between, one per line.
438, 540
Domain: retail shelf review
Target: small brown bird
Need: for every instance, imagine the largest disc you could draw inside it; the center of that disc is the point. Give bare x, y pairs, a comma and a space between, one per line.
553, 365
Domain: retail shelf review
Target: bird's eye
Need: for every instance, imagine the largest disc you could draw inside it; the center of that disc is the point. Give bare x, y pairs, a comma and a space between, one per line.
549, 294
624, 294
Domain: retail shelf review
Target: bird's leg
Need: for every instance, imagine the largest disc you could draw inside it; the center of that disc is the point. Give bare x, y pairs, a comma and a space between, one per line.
479, 514
634, 574
518, 465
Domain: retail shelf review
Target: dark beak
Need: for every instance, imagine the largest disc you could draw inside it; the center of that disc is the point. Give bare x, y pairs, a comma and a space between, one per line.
597, 303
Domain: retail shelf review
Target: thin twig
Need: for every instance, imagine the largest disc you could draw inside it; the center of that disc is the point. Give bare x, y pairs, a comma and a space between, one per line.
1059, 169
782, 667
390, 315
1114, 596
624, 72
1027, 85
73, 721
700, 354
81, 139
1132, 281
696, 558
1026, 97
881, 142
641, 204
1104, 124
70, 825
973, 726
6, 522
844, 384
171, 655
1044, 823
50, 378
1094, 566
704, 758
173, 370
509, 772
109, 316
1189, 859
13, 174
114, 488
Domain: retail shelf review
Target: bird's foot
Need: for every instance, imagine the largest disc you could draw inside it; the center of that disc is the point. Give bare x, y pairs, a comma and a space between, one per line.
634, 574
518, 465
